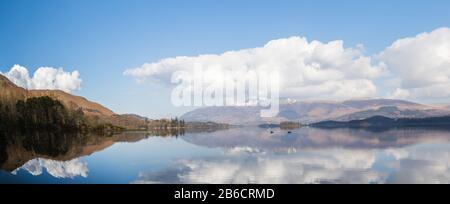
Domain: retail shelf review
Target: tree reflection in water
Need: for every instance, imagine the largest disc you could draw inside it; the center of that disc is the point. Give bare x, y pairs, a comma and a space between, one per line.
17, 148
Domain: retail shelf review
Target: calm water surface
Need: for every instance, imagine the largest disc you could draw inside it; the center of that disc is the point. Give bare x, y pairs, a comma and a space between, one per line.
241, 155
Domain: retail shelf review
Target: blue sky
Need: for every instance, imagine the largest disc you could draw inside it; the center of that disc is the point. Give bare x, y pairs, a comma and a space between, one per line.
101, 39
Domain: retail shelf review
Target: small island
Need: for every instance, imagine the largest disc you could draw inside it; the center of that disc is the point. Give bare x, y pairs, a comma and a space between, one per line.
285, 125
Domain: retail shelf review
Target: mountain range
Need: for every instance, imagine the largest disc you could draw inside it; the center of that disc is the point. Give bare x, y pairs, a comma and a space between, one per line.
315, 111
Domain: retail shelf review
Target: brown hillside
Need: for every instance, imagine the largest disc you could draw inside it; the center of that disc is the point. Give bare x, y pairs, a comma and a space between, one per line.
73, 102
96, 113
10, 93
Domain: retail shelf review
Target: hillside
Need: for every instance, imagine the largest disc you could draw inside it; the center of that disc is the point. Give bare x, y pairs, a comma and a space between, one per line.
94, 112
10, 92
74, 102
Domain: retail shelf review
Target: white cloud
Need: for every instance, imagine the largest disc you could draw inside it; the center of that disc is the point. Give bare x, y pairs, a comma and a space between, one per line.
307, 69
421, 64
45, 78
421, 164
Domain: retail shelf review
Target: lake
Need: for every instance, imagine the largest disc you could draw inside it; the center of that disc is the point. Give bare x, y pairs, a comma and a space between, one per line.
237, 155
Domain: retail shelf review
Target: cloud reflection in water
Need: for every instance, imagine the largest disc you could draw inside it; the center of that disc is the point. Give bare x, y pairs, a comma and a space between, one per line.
58, 169
346, 156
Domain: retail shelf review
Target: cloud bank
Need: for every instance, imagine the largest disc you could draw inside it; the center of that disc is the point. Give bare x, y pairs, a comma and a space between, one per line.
415, 67
45, 78
307, 69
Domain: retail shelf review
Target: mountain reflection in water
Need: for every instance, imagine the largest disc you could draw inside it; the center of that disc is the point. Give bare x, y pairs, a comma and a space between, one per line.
238, 155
